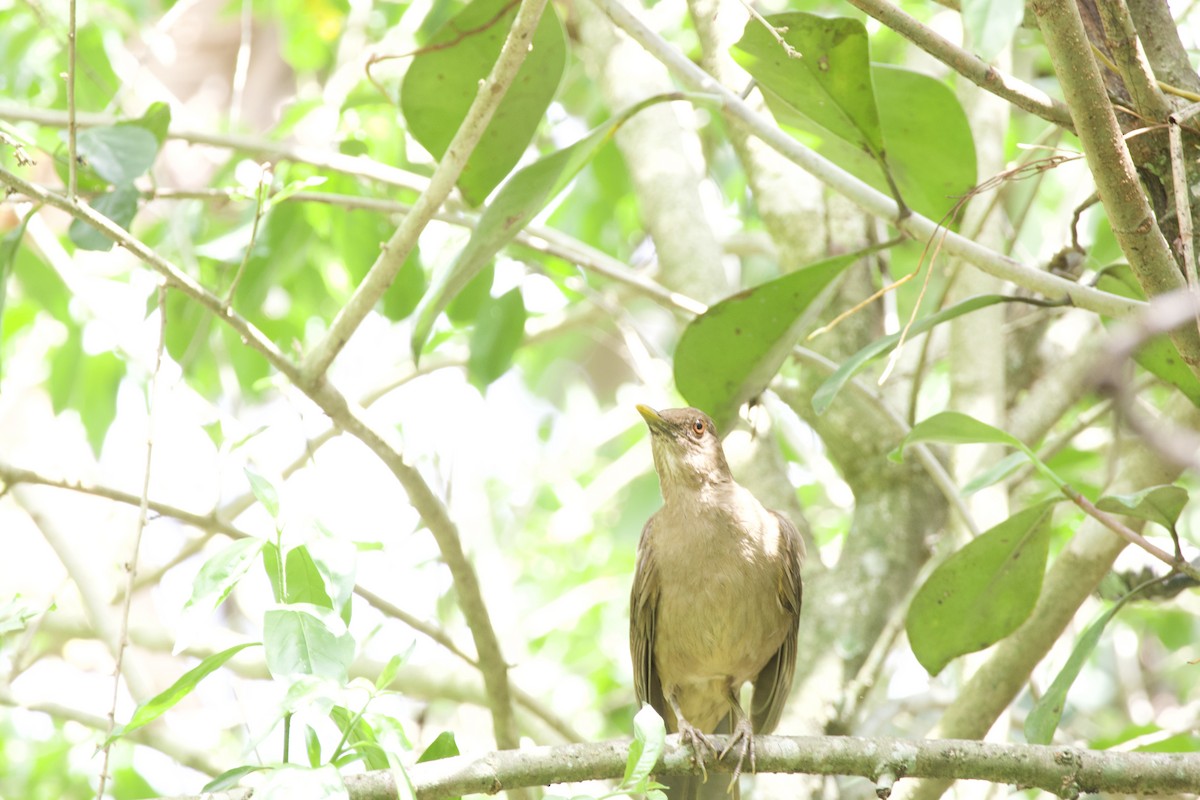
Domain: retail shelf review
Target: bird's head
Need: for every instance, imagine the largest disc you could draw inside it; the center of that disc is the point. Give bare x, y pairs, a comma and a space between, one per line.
687, 449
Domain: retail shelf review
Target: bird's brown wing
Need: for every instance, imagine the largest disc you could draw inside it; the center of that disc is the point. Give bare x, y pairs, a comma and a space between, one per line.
774, 682
643, 607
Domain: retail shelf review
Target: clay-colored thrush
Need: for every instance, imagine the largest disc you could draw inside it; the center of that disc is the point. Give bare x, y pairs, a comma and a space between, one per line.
716, 595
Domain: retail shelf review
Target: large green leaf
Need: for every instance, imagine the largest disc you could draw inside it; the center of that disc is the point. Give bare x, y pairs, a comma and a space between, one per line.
830, 81
444, 78
517, 202
730, 353
156, 706
118, 153
927, 139
983, 592
307, 640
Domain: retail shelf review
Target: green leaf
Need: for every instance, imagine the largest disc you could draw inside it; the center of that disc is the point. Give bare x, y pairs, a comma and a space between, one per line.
445, 76
312, 746
1161, 504
997, 472
1047, 711
830, 83
464, 308
953, 427
730, 353
274, 569
360, 737
990, 24
213, 583
828, 390
118, 153
983, 592
10, 245
443, 746
388, 673
14, 613
307, 640
264, 491
649, 740
524, 195
156, 706
927, 139
303, 580
157, 120
119, 205
498, 333
404, 294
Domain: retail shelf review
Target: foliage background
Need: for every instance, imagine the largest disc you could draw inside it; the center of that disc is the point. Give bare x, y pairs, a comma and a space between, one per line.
272, 190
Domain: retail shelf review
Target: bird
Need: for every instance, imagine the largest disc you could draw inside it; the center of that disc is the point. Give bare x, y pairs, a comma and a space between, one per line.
715, 600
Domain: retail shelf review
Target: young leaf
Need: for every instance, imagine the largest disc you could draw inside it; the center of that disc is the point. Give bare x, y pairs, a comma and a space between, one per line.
264, 491
731, 352
445, 75
388, 673
303, 579
307, 640
498, 333
1047, 711
827, 391
649, 740
360, 737
312, 746
1161, 504
156, 706
443, 746
230, 778
524, 194
215, 580
983, 592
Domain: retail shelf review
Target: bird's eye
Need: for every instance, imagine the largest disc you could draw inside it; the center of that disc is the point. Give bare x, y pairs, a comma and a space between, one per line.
698, 427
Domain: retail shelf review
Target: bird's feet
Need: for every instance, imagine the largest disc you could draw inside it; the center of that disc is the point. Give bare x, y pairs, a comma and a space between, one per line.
743, 740
700, 744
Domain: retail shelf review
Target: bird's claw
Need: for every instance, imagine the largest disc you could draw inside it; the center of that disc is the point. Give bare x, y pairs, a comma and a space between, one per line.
743, 735
700, 745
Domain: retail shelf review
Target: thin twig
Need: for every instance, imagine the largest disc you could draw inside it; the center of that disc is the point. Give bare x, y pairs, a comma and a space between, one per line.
264, 184
1130, 535
1183, 202
72, 124
143, 509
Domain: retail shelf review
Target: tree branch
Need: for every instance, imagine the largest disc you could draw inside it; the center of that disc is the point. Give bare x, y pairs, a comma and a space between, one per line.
352, 418
862, 194
1129, 213
1063, 771
1007, 87
491, 91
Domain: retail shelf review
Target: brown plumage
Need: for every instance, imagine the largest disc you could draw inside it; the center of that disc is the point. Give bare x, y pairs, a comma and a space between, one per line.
716, 595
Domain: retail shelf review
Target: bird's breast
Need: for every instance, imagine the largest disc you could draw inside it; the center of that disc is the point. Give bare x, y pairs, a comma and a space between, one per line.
719, 614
